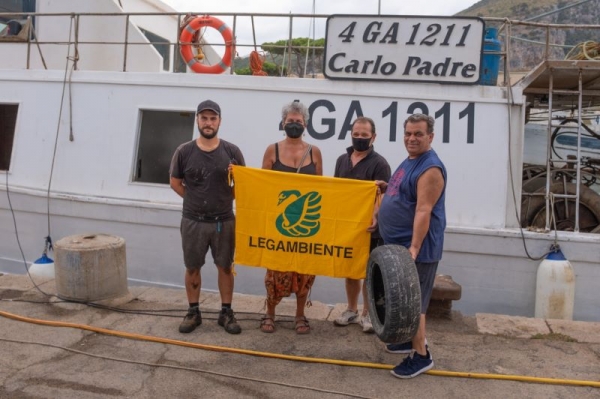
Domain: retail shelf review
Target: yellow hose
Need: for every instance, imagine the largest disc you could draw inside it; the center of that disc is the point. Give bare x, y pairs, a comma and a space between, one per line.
123, 334
169, 341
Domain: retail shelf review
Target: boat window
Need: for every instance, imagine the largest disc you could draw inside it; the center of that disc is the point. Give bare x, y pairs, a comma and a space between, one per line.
161, 132
161, 45
11, 25
17, 5
8, 116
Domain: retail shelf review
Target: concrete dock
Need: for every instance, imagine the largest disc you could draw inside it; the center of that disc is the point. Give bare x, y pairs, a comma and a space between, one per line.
132, 349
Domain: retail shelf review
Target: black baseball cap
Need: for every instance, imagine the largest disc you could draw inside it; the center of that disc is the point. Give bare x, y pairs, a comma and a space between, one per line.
210, 106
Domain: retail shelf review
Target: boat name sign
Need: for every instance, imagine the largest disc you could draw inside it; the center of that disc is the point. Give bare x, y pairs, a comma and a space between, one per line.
404, 48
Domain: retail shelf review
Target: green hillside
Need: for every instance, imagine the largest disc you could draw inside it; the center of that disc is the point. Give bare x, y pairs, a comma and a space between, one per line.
513, 9
527, 44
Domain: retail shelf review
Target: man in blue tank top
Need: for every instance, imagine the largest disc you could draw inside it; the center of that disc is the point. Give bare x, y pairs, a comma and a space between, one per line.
412, 214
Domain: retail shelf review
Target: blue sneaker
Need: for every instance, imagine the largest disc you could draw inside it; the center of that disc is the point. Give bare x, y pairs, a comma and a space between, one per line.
405, 347
413, 366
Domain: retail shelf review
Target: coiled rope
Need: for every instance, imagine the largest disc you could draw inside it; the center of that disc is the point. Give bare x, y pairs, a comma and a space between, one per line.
589, 50
256, 63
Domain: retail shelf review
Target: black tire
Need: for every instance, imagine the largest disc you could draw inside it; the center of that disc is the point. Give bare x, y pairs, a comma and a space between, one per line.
532, 185
533, 209
394, 294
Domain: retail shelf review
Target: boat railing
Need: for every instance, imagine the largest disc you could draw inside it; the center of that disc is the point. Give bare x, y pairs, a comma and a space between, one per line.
508, 31
512, 33
32, 38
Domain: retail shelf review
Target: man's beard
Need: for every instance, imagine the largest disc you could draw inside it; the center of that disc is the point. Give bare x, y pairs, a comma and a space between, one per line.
209, 135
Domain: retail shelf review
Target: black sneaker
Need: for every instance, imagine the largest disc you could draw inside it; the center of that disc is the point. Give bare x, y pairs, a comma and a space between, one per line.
413, 366
192, 319
228, 321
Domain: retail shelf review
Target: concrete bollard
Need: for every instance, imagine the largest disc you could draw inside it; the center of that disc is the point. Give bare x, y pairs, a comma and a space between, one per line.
90, 267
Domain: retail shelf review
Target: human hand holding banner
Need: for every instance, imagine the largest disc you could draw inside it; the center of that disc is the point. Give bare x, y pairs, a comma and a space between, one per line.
303, 223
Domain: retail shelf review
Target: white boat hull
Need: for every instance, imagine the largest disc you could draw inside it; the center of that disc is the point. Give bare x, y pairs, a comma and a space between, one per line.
489, 264
94, 189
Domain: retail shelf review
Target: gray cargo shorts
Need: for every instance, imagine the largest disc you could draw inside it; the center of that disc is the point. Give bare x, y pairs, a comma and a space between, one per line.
198, 237
426, 273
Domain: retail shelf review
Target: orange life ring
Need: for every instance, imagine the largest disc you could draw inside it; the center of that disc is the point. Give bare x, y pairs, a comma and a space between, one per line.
187, 34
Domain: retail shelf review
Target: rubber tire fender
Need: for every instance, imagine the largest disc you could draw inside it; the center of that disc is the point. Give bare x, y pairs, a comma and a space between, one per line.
532, 206
393, 294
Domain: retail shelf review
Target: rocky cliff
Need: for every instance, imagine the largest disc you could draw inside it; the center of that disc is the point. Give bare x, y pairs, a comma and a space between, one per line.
527, 45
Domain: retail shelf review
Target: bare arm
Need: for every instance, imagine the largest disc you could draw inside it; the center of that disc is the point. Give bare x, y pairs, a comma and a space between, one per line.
177, 186
374, 222
429, 190
269, 157
318, 160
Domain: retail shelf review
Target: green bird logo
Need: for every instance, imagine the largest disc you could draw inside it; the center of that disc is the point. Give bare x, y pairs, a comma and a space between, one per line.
300, 218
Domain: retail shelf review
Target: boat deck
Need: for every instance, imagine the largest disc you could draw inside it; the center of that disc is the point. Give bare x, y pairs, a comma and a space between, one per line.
565, 78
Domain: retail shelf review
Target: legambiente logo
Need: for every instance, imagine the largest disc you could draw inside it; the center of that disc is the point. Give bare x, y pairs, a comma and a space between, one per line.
300, 216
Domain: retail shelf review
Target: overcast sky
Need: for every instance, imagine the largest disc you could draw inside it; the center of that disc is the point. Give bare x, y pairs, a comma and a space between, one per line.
423, 7
271, 29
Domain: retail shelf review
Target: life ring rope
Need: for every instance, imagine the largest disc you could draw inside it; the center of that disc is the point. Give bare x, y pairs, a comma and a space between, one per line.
186, 39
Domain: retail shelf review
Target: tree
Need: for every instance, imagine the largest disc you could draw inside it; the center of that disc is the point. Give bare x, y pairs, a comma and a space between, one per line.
270, 68
300, 46
243, 71
273, 69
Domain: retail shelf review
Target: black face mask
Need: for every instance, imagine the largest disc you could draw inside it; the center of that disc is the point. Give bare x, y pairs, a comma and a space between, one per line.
293, 130
360, 144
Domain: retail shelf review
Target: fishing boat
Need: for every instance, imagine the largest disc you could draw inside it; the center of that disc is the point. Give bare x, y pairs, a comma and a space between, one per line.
95, 96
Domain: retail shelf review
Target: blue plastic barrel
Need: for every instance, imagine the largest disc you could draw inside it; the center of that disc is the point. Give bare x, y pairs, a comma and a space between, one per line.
490, 63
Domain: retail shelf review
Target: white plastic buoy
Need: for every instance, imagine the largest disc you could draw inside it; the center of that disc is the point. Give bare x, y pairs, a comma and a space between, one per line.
555, 287
43, 267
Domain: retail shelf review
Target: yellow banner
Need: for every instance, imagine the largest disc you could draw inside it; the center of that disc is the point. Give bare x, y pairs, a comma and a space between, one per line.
302, 223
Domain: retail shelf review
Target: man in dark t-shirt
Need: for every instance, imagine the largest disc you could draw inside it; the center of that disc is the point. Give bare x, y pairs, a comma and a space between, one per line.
200, 175
361, 162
